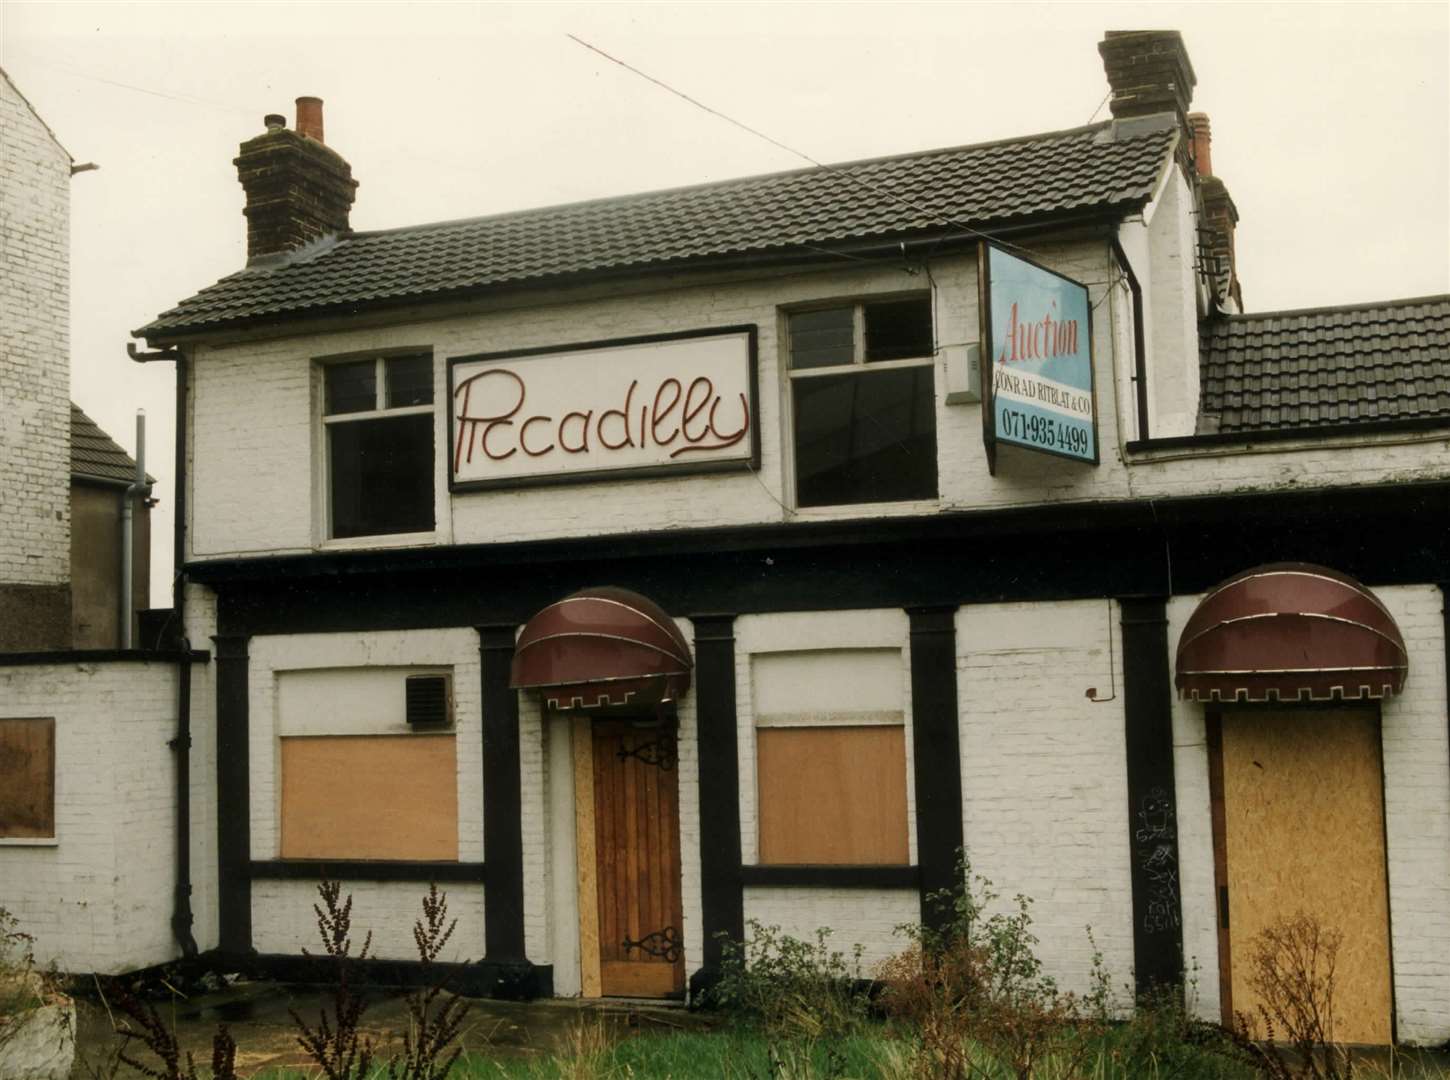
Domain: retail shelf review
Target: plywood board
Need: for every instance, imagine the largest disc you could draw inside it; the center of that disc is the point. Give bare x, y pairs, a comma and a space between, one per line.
1303, 830
636, 799
370, 797
583, 746
834, 795
27, 778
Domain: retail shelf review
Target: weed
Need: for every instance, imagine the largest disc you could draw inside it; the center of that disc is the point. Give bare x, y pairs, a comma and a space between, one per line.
435, 1017
1292, 965
974, 996
335, 1043
790, 986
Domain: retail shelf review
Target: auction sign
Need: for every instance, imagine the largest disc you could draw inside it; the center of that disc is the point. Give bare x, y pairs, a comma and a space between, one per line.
1037, 338
642, 406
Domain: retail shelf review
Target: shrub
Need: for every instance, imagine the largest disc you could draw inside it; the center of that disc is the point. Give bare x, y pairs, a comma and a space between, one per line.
973, 994
791, 987
1292, 966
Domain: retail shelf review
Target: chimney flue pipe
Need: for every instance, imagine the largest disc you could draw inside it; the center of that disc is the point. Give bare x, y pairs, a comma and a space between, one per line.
309, 118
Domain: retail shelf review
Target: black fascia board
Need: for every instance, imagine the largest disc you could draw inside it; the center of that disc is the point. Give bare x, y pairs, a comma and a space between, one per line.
1368, 501
908, 244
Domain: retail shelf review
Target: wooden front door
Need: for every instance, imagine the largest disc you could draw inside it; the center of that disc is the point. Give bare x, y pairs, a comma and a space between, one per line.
636, 827
1298, 800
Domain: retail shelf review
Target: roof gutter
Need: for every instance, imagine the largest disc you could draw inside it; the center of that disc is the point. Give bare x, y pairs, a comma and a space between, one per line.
181, 913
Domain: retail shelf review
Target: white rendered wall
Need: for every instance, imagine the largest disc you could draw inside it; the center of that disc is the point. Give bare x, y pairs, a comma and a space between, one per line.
866, 917
282, 917
1044, 774
1173, 332
99, 896
34, 348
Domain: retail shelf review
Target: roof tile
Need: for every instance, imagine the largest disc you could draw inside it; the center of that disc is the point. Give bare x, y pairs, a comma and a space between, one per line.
1300, 369
1100, 166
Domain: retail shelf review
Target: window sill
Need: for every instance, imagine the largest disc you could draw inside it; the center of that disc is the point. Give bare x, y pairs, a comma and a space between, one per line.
846, 511
387, 540
29, 841
839, 876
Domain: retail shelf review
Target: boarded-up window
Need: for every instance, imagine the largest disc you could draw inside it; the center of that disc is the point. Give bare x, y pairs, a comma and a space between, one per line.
831, 757
27, 778
833, 795
370, 797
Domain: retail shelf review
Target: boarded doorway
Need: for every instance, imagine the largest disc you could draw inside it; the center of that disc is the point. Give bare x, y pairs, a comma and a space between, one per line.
1298, 806
628, 822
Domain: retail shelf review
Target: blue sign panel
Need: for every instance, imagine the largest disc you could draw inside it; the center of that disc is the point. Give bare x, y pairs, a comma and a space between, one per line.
1037, 340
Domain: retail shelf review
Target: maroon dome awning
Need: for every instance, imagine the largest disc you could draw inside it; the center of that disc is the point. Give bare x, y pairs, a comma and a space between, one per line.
1290, 632
602, 647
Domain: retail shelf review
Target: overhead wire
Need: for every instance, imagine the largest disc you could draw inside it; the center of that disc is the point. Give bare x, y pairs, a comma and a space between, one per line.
839, 170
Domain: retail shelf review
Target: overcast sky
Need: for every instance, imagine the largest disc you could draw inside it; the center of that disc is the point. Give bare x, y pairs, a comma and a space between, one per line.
1331, 127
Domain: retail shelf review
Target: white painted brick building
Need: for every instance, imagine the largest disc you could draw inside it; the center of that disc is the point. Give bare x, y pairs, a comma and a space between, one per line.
34, 368
888, 630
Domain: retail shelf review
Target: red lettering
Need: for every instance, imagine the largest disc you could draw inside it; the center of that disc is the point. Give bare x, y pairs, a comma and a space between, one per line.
661, 414
470, 423
694, 410
583, 445
623, 415
524, 435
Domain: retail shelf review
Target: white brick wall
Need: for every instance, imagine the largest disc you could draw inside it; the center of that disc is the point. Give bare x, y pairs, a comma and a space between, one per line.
1044, 774
283, 921
1195, 832
864, 917
100, 897
34, 348
255, 433
1417, 819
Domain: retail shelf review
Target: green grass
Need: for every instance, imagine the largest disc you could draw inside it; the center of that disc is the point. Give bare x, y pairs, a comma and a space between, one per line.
742, 1054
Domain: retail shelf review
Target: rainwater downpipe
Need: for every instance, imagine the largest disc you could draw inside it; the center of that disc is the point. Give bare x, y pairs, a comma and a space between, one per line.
181, 914
138, 489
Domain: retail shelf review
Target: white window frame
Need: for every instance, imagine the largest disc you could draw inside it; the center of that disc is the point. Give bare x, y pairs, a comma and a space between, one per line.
858, 365
380, 411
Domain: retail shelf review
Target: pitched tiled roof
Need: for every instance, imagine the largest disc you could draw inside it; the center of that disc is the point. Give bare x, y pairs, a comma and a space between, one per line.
1326, 366
1097, 167
94, 454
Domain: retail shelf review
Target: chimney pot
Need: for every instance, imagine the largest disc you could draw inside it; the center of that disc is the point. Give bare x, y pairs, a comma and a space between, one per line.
274, 121
1198, 127
309, 118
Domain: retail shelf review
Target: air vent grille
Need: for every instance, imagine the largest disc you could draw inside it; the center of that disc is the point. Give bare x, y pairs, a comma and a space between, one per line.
429, 700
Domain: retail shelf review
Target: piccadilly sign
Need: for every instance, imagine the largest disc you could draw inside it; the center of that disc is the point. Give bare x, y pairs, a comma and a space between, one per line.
1038, 388
641, 406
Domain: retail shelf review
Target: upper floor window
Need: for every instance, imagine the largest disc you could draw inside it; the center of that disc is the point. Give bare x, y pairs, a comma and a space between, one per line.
863, 402
378, 418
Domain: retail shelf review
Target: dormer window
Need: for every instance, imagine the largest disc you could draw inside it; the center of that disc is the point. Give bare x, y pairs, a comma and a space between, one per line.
864, 404
378, 424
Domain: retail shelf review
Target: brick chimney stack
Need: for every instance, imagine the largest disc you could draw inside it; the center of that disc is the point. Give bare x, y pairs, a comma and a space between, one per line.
1220, 216
298, 189
1149, 72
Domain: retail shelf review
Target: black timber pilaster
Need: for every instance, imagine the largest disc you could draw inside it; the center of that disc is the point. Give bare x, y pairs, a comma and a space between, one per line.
233, 787
722, 898
936, 752
1152, 796
503, 838
1445, 617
